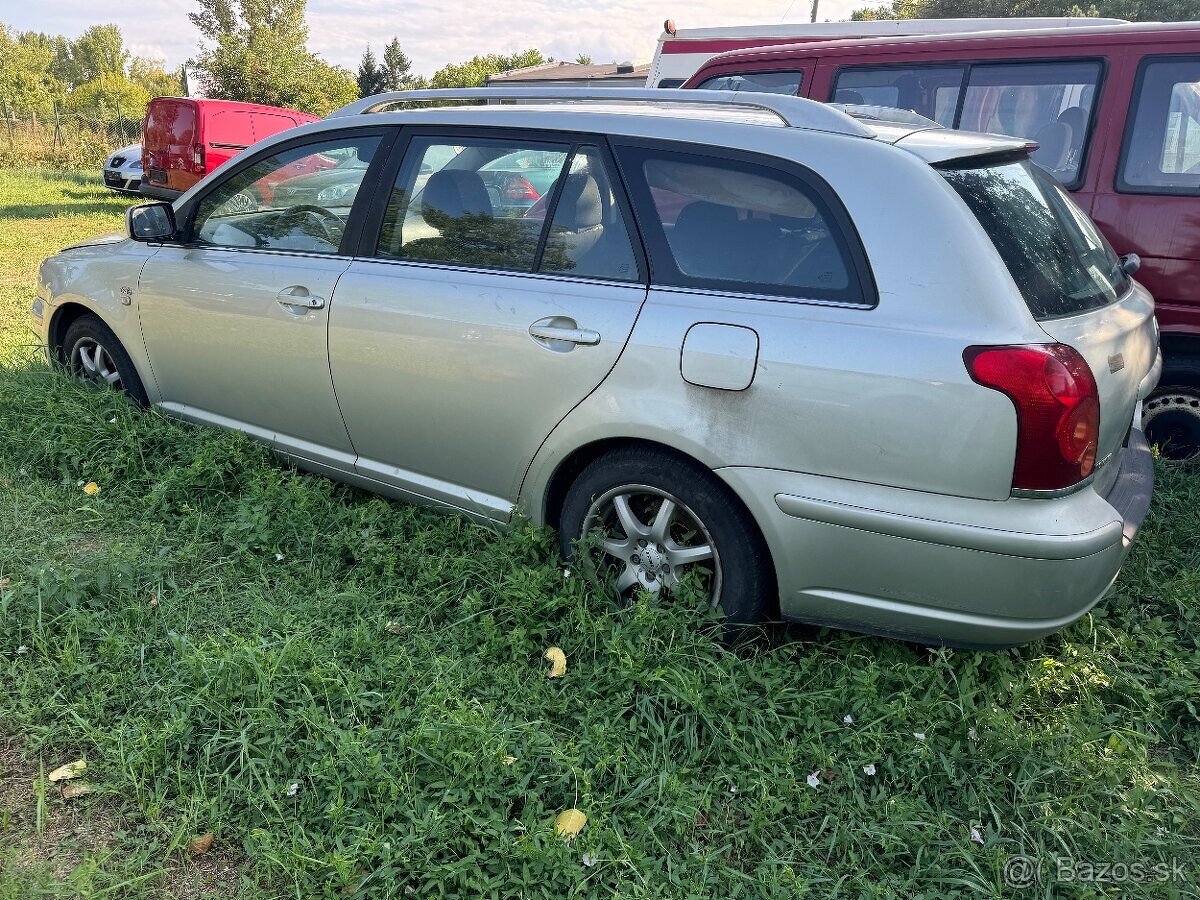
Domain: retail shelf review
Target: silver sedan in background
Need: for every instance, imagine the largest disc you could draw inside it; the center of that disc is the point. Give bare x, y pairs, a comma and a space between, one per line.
123, 169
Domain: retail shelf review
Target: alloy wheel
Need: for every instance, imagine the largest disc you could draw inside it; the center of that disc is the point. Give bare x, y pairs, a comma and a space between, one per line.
91, 362
650, 539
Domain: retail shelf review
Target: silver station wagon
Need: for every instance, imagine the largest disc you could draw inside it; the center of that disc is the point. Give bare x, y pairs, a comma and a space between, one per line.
854, 372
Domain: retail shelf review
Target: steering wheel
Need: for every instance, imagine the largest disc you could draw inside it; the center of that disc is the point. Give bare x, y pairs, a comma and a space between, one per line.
329, 223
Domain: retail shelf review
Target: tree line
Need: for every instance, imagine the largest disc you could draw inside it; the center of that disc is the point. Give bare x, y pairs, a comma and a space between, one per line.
250, 50
257, 51
39, 72
1133, 10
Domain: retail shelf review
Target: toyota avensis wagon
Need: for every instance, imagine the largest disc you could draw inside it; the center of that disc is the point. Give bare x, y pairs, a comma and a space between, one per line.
871, 374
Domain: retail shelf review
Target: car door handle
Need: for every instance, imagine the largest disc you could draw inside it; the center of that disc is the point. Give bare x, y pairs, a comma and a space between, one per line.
552, 330
298, 297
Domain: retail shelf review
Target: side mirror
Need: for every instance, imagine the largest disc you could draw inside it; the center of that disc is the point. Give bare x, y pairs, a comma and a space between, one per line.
1130, 263
151, 222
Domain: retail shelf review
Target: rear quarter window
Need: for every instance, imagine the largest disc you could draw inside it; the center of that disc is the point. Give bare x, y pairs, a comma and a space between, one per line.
1059, 260
730, 224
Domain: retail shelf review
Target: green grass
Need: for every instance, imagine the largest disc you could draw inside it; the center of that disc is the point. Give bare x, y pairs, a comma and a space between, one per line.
42, 211
391, 660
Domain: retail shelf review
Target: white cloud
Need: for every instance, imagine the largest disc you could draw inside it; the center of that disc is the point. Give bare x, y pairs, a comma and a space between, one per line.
430, 31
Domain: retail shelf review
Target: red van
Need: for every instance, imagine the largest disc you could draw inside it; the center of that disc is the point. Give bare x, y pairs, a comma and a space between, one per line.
185, 138
1116, 112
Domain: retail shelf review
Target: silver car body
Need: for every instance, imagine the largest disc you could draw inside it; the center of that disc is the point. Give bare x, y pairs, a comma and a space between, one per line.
123, 169
879, 473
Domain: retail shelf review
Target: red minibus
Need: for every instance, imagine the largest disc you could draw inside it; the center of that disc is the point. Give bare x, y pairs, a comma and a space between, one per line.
1116, 112
186, 138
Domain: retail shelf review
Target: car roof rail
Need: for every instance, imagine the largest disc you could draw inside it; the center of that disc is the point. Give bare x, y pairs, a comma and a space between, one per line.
794, 112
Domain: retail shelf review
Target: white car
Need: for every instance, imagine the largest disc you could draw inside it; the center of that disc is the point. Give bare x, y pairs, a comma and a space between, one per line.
123, 169
757, 351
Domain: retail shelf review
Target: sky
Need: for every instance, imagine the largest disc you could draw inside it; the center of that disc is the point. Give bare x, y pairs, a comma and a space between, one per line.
432, 32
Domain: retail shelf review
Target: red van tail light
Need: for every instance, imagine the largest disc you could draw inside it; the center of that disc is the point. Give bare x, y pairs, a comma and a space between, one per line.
1058, 410
198, 159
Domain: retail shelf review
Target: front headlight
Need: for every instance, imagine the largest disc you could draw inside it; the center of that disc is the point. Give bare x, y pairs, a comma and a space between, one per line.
135, 165
336, 192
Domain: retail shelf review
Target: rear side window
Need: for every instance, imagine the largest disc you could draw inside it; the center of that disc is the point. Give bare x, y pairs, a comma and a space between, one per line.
1162, 143
931, 91
1049, 102
760, 82
727, 224
1060, 262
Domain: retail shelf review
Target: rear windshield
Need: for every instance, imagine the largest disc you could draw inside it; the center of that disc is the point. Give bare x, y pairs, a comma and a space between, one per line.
1060, 262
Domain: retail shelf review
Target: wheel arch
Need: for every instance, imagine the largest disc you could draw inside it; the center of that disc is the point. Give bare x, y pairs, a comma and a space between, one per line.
64, 317
574, 463
1178, 346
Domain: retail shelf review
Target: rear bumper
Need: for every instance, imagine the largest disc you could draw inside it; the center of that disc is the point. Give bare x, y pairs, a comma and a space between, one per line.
939, 569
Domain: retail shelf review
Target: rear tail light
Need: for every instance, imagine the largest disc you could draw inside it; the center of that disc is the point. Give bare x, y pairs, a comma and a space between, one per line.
198, 159
519, 188
1058, 410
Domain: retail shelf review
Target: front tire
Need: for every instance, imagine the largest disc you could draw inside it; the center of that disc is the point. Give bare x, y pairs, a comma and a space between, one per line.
654, 519
94, 355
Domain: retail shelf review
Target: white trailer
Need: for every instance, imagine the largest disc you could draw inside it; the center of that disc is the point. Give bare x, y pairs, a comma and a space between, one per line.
681, 52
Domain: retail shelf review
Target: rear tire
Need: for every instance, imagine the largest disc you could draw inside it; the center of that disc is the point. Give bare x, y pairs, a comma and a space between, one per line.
94, 355
708, 536
1171, 415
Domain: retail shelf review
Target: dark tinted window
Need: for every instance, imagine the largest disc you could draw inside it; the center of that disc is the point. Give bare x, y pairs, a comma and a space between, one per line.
588, 236
1050, 103
471, 202
1058, 259
671, 83
762, 82
1163, 147
931, 91
725, 224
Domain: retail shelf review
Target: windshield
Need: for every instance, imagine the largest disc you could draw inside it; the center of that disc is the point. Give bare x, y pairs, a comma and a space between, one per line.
1060, 262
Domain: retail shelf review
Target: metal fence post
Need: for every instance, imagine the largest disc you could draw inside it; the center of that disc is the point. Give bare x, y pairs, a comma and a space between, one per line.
58, 136
8, 115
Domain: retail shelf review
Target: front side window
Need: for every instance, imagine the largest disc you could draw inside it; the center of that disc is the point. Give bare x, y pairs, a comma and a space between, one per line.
1060, 262
299, 199
484, 203
760, 82
1162, 153
1050, 103
725, 224
931, 91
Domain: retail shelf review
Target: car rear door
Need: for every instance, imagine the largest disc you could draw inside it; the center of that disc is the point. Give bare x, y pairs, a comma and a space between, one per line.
468, 329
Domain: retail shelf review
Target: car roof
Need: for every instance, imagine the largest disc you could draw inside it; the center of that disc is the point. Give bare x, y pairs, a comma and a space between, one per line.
718, 118
1085, 37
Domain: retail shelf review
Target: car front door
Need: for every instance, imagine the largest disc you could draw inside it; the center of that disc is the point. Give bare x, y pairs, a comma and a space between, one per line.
482, 317
235, 316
